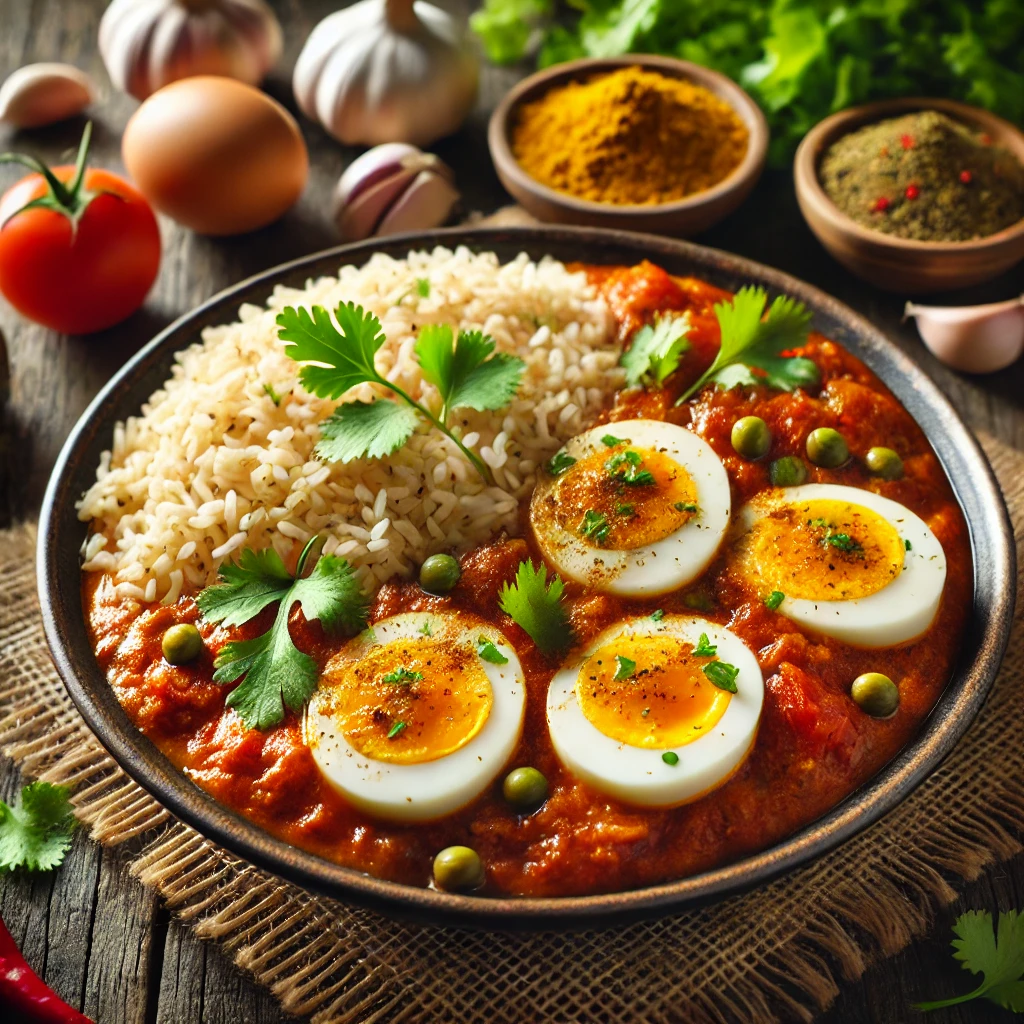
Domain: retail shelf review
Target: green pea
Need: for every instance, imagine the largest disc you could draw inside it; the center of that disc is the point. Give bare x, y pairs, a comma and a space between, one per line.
439, 574
875, 694
789, 471
525, 788
751, 437
182, 643
458, 869
884, 462
827, 447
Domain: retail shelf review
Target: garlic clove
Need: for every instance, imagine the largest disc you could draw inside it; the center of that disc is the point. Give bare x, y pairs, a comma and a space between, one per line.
41, 94
426, 203
973, 339
374, 165
358, 217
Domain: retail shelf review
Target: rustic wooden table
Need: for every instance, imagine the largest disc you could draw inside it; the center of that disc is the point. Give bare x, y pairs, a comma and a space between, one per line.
89, 929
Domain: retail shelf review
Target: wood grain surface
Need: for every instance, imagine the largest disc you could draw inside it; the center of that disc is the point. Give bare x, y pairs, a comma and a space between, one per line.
90, 930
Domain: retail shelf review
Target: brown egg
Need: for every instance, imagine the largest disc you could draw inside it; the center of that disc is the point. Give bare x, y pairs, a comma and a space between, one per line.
215, 154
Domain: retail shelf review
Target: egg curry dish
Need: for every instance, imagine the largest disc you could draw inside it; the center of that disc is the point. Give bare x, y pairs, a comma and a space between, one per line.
524, 579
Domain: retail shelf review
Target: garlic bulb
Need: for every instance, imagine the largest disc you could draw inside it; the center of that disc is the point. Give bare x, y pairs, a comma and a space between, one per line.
387, 71
39, 94
147, 44
974, 339
393, 188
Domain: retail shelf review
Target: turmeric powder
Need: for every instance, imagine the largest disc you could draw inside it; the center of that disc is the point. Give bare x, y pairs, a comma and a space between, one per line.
629, 137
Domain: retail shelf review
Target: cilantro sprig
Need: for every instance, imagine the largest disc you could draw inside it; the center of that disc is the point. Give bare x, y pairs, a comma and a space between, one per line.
656, 351
996, 954
276, 673
536, 606
466, 371
36, 832
748, 341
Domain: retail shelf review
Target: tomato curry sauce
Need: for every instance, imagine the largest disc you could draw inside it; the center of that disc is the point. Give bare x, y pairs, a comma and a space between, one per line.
814, 746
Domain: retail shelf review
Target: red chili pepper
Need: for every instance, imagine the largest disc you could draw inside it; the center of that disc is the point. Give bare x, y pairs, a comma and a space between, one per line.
25, 994
907, 141
880, 205
912, 192
965, 177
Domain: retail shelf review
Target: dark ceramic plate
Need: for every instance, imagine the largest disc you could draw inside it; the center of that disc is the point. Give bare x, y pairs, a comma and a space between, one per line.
61, 536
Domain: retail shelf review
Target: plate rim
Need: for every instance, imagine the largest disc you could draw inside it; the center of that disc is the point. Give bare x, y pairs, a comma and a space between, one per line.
986, 637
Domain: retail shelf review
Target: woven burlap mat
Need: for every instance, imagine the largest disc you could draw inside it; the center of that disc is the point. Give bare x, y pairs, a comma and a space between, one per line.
773, 954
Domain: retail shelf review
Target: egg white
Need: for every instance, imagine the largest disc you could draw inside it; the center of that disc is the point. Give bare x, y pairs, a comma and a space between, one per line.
899, 612
430, 789
666, 564
638, 775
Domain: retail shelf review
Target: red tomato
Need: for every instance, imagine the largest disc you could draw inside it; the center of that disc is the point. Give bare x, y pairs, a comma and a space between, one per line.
78, 279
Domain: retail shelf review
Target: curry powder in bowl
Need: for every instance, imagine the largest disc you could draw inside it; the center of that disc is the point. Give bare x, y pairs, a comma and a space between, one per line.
924, 176
630, 137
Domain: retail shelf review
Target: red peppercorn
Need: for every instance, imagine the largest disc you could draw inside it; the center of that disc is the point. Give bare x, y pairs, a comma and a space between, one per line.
912, 192
907, 141
965, 177
880, 205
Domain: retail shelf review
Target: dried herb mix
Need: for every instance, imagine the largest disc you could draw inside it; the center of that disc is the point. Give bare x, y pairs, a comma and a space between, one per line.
926, 177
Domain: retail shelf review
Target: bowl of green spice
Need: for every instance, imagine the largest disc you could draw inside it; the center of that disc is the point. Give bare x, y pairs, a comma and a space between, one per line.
915, 195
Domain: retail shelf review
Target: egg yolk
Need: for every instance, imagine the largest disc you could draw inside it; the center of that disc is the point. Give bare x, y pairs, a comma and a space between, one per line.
623, 497
823, 550
649, 691
411, 701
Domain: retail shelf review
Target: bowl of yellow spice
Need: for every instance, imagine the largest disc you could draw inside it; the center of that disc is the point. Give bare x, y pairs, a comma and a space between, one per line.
642, 143
915, 195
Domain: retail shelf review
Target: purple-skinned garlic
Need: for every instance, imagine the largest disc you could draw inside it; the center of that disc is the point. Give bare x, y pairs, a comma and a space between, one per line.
973, 339
391, 188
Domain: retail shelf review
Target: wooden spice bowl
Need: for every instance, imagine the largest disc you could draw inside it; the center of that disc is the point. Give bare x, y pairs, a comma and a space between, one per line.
903, 264
683, 218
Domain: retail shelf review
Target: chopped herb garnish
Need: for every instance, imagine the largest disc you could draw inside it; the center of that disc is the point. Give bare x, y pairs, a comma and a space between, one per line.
705, 648
464, 369
625, 510
610, 440
595, 526
559, 463
658, 614
670, 757
908, 545
277, 674
488, 652
426, 629
750, 342
833, 538
685, 506
774, 599
536, 606
402, 676
422, 287
655, 352
722, 674
36, 832
625, 468
397, 729
624, 668
274, 396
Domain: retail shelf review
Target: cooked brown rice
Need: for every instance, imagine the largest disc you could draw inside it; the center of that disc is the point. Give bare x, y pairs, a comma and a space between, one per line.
214, 465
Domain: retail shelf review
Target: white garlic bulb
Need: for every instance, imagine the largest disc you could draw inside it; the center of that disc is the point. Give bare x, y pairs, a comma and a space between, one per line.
39, 94
147, 44
387, 71
392, 188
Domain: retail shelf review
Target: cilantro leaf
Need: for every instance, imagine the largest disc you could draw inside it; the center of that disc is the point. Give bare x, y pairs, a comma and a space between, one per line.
423, 287
656, 352
396, 730
705, 648
348, 354
559, 463
489, 652
36, 832
750, 341
595, 527
536, 606
276, 673
624, 668
402, 676
997, 956
366, 430
722, 674
466, 371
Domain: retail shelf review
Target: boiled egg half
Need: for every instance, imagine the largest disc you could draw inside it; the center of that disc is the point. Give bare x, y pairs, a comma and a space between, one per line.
848, 562
657, 711
637, 507
416, 716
